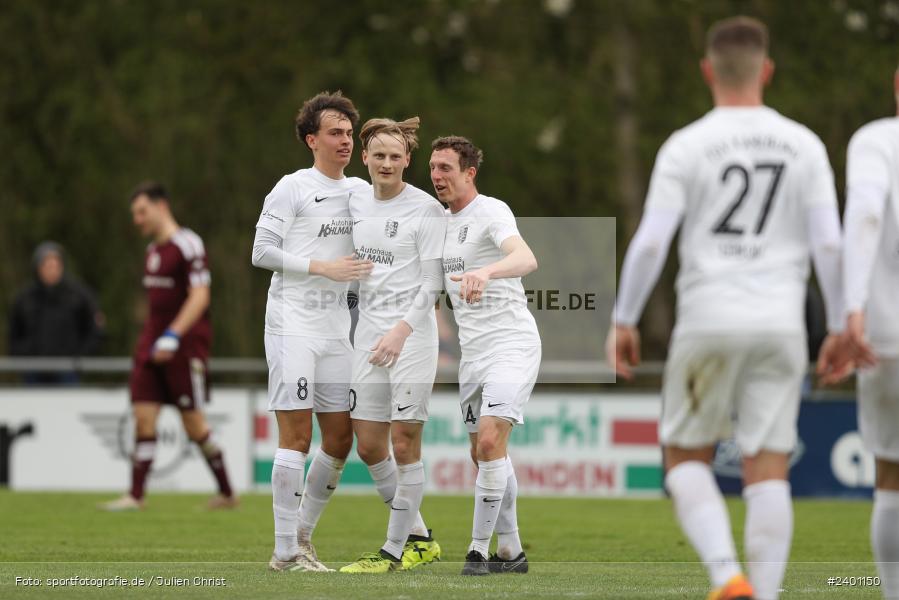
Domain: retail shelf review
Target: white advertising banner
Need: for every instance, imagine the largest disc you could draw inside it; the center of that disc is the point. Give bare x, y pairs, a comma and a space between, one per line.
82, 438
570, 444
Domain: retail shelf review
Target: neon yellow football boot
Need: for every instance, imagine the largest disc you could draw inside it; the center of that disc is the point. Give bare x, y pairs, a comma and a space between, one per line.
373, 562
420, 550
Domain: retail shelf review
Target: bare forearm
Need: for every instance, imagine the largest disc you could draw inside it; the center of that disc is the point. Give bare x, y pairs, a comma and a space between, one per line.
193, 308
318, 267
517, 263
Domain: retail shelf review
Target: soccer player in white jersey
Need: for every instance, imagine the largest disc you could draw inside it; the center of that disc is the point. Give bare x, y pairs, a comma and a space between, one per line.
484, 258
871, 280
400, 229
753, 195
304, 235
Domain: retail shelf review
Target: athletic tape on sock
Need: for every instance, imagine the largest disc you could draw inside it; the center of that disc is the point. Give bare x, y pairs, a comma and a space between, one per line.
290, 459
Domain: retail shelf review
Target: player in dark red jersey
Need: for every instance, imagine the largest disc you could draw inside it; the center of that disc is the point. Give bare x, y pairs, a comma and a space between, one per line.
173, 348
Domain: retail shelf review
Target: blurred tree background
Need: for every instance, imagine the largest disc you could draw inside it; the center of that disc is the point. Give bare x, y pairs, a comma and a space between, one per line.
570, 100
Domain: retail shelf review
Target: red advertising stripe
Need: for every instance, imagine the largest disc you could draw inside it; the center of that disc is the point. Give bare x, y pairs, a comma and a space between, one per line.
635, 431
261, 427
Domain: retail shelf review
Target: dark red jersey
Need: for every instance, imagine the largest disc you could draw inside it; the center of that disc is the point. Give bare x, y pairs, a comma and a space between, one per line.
170, 270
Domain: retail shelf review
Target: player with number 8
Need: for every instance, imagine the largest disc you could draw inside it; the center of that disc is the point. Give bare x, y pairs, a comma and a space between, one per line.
304, 235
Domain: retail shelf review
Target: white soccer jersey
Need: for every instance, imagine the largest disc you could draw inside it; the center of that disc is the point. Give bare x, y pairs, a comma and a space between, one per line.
742, 179
396, 235
501, 319
873, 159
310, 212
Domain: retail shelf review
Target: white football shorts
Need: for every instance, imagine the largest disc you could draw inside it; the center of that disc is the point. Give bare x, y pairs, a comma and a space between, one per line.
498, 385
400, 393
878, 408
743, 385
308, 373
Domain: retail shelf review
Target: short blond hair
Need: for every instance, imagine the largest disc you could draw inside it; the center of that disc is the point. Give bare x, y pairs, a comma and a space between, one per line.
736, 48
405, 131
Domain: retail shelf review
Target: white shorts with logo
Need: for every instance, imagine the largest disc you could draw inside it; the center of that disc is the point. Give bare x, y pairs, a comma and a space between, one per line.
308, 373
498, 385
878, 408
400, 393
744, 385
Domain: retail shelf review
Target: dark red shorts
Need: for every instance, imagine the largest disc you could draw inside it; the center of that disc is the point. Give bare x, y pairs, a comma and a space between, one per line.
182, 382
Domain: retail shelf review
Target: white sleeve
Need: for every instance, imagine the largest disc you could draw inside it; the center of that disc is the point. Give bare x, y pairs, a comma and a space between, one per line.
426, 298
818, 187
267, 254
502, 225
667, 190
863, 218
867, 188
643, 262
825, 240
279, 209
431, 233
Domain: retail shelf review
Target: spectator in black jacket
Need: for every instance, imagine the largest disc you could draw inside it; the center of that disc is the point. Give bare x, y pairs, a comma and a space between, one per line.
54, 315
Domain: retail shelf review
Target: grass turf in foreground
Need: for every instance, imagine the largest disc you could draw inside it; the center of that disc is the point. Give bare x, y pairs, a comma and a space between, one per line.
578, 548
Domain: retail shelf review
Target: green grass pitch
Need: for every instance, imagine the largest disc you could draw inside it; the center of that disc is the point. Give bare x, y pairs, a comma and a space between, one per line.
578, 548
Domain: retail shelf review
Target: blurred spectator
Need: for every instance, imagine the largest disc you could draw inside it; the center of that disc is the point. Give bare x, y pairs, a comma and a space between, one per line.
54, 315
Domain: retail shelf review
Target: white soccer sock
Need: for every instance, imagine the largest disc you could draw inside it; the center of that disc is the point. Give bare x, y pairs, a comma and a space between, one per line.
703, 517
767, 535
508, 544
419, 527
384, 476
885, 540
321, 481
410, 488
287, 487
490, 487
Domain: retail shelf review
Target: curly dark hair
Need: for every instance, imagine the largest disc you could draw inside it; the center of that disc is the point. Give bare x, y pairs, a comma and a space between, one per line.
309, 117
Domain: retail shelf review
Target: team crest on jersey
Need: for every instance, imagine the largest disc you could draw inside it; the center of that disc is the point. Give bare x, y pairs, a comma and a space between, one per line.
153, 262
463, 233
390, 228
